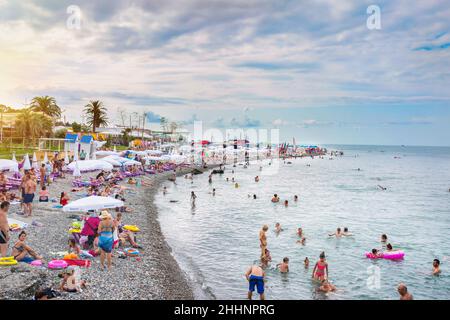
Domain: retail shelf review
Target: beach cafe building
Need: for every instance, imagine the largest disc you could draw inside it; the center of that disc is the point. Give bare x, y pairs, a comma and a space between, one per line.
71, 142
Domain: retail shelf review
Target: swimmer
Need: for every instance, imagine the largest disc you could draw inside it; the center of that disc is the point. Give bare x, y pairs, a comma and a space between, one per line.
254, 196
403, 292
346, 232
295, 198
320, 271
278, 228
232, 179
275, 198
228, 179
266, 259
286, 203
376, 253
327, 286
302, 241
436, 267
389, 248
382, 188
300, 232
284, 266
383, 238
236, 185
214, 192
306, 262
256, 179
164, 190
338, 233
210, 179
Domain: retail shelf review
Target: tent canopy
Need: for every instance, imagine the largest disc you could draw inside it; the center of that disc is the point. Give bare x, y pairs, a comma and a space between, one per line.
90, 165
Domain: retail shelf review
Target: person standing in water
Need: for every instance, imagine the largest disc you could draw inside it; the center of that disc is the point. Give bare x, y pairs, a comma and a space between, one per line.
436, 267
263, 240
193, 197
255, 277
320, 271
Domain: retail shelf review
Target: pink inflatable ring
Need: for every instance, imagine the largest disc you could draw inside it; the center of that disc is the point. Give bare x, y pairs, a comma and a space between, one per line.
393, 255
57, 264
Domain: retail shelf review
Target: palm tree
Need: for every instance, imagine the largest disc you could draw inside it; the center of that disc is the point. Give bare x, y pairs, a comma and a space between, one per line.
46, 105
96, 114
33, 125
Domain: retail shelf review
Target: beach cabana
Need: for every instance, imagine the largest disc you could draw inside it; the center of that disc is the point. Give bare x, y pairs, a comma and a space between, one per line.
87, 145
92, 203
71, 142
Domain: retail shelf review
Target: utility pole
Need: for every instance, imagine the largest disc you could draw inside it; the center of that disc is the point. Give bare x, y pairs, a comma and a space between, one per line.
143, 124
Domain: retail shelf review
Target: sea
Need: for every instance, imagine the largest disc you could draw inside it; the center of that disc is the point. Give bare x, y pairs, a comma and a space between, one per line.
217, 240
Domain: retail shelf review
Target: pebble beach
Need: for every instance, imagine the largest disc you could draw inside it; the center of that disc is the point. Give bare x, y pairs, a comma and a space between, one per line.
154, 274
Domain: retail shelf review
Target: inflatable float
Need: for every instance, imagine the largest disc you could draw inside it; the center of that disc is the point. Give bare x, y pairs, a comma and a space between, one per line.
57, 264
392, 255
131, 228
7, 261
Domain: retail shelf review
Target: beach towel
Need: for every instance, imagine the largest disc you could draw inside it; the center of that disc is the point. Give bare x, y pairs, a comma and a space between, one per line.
78, 262
20, 224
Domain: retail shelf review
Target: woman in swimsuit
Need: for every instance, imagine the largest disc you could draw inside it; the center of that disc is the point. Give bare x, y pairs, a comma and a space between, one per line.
106, 239
320, 271
20, 251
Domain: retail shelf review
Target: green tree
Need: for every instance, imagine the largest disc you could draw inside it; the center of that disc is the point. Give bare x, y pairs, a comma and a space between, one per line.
46, 105
164, 122
76, 127
96, 114
33, 125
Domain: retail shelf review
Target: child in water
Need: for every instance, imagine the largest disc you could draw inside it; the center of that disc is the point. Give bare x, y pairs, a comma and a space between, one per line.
320, 271
278, 228
306, 262
284, 266
327, 286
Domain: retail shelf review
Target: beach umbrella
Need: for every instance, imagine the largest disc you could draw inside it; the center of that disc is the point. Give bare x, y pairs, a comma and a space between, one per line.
26, 164
34, 157
76, 170
93, 203
90, 165
94, 157
66, 158
45, 158
14, 157
75, 153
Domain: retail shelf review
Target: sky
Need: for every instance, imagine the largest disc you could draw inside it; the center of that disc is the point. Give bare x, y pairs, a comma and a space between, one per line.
312, 69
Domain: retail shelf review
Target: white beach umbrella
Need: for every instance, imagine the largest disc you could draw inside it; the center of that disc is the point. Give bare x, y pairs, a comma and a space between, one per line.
27, 164
66, 158
76, 170
75, 153
93, 203
87, 156
131, 163
34, 157
14, 157
94, 157
45, 158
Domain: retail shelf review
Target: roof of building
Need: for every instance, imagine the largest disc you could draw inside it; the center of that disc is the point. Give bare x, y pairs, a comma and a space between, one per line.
71, 137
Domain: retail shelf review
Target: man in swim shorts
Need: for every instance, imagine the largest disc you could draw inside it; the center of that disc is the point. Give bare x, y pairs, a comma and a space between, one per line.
30, 189
255, 276
4, 228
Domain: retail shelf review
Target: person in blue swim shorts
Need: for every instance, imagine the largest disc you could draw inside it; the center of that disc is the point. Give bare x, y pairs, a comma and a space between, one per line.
255, 276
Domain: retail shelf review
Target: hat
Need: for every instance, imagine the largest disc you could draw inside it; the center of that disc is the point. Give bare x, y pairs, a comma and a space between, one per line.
105, 215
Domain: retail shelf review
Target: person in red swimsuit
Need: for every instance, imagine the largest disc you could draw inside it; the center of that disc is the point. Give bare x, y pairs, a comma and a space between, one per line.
64, 199
320, 271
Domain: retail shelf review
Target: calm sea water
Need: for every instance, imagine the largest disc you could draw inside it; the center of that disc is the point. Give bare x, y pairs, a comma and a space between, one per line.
217, 241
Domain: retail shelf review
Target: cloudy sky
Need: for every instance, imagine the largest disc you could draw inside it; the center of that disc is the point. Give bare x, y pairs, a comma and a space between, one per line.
310, 68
